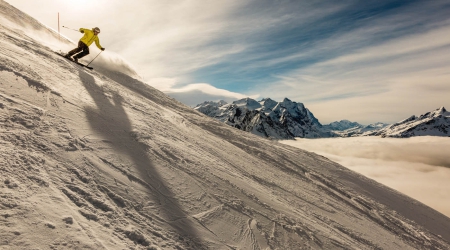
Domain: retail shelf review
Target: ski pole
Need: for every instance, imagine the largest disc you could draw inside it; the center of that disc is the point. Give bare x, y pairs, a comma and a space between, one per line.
69, 28
94, 58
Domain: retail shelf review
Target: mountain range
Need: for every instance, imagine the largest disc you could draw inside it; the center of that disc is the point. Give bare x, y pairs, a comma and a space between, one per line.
267, 118
289, 119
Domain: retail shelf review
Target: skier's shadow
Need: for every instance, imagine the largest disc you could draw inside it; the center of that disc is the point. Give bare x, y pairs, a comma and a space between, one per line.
111, 122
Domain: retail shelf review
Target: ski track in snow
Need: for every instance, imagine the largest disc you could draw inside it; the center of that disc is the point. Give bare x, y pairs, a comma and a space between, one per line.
99, 160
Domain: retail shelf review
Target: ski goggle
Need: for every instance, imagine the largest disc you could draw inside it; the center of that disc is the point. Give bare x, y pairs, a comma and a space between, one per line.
97, 30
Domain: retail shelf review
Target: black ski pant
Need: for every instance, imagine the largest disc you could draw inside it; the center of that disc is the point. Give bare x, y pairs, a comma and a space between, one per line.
80, 51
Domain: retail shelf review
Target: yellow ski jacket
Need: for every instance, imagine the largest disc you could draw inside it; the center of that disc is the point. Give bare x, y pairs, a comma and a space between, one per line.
89, 37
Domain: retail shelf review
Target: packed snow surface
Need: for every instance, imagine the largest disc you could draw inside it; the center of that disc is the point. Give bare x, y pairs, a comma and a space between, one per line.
99, 160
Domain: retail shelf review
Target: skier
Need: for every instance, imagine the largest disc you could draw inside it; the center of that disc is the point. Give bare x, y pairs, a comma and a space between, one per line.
89, 37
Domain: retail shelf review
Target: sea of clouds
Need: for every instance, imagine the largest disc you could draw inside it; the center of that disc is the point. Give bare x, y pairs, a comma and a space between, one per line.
418, 167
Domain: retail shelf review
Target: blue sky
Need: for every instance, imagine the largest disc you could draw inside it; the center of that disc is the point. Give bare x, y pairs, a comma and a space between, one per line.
365, 61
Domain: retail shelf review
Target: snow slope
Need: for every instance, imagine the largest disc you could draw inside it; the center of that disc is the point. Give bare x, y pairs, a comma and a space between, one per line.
100, 160
434, 123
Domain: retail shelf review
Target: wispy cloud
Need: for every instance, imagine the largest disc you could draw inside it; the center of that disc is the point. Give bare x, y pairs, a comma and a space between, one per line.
344, 60
193, 94
368, 79
377, 78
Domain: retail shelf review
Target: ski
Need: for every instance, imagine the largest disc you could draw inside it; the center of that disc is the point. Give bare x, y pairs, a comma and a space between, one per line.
60, 54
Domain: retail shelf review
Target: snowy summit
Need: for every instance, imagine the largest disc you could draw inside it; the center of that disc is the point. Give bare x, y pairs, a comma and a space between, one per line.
100, 160
434, 123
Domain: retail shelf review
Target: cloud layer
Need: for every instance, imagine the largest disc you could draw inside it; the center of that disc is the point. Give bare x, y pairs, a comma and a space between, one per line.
191, 93
418, 167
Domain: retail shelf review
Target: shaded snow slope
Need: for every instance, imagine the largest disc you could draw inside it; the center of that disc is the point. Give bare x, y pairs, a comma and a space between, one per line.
100, 160
434, 123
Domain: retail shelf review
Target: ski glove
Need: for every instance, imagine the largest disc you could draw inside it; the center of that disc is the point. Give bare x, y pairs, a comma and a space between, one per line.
82, 31
102, 49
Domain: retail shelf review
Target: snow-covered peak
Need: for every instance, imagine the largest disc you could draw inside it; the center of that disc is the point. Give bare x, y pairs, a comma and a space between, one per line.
266, 99
342, 125
211, 108
222, 102
286, 100
212, 103
440, 111
434, 123
267, 103
248, 103
290, 105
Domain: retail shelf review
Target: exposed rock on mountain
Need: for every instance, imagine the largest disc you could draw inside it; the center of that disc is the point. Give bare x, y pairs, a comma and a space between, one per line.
360, 129
267, 118
435, 123
287, 119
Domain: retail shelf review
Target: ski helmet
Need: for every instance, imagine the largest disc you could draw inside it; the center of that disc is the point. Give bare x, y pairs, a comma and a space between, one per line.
96, 29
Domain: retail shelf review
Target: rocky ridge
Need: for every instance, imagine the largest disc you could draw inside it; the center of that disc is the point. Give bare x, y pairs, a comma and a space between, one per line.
434, 123
267, 118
